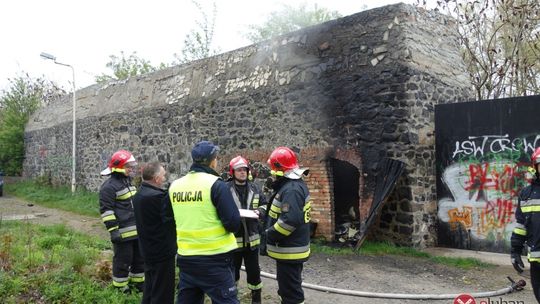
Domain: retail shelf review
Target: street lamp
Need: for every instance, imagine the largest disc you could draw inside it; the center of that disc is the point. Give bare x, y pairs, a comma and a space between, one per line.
74, 139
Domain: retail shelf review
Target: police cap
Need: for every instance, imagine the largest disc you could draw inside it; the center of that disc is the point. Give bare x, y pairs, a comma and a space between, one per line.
204, 152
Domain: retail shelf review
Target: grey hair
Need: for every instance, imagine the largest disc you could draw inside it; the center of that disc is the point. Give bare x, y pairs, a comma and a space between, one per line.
150, 170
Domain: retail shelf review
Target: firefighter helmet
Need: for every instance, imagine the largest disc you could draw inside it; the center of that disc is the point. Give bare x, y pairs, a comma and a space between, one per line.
283, 162
237, 162
118, 162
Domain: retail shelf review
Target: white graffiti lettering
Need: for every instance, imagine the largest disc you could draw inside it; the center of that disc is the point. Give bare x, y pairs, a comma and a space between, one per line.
479, 145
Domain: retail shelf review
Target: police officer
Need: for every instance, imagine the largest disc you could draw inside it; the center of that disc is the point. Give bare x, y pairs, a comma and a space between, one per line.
287, 225
247, 195
527, 228
206, 218
116, 210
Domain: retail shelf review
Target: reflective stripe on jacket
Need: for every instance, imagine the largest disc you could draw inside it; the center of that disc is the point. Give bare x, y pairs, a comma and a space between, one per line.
115, 205
199, 231
248, 235
287, 225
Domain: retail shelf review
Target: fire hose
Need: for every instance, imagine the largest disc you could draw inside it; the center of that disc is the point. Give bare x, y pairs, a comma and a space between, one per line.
514, 286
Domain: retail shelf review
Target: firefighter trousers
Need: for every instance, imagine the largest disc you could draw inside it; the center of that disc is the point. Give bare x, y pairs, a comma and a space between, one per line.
128, 264
251, 261
535, 279
289, 277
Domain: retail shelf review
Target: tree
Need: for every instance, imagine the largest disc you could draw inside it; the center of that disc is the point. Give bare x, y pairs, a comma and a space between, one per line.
501, 44
198, 42
289, 19
124, 67
17, 103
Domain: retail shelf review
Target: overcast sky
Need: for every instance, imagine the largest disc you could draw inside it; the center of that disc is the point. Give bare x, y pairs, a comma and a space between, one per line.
85, 33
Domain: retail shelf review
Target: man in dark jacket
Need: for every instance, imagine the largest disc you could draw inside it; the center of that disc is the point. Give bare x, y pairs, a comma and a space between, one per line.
247, 195
116, 208
157, 236
527, 230
206, 219
287, 224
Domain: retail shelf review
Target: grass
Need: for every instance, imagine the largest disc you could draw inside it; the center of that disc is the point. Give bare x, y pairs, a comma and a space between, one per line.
82, 202
53, 264
385, 248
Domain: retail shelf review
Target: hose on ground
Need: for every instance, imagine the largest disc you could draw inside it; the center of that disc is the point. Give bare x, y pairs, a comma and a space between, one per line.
514, 286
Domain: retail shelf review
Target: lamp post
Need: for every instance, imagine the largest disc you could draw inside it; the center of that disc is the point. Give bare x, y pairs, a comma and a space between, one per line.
74, 139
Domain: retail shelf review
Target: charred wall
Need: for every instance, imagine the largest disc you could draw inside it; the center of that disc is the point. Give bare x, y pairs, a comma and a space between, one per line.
356, 89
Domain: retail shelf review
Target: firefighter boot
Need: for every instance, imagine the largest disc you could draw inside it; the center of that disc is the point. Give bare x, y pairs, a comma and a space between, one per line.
123, 289
256, 296
139, 286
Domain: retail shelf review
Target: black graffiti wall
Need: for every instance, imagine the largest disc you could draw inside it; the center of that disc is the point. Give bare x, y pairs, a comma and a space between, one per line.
483, 151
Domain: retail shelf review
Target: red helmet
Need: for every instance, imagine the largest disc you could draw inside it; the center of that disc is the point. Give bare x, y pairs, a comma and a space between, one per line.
282, 159
117, 162
535, 157
237, 162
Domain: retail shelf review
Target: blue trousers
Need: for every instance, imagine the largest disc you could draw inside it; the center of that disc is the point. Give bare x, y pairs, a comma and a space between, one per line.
211, 275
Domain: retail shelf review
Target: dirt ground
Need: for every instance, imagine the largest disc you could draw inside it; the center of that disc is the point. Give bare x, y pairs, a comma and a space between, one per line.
381, 274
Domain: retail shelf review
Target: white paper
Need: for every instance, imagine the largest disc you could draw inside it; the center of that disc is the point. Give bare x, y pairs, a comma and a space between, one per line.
248, 213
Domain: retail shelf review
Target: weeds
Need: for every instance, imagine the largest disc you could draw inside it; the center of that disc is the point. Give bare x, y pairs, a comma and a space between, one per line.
53, 264
77, 260
5, 257
385, 248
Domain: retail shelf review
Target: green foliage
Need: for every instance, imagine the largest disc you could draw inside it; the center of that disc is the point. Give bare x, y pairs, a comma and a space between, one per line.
289, 19
124, 67
383, 248
56, 274
198, 43
463, 263
17, 103
76, 260
82, 202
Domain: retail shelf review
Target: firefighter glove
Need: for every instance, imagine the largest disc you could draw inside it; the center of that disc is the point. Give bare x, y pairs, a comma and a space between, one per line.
115, 236
517, 262
261, 213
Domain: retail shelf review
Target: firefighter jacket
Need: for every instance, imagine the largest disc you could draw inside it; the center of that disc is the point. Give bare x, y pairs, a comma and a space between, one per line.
204, 212
527, 228
248, 196
116, 207
287, 224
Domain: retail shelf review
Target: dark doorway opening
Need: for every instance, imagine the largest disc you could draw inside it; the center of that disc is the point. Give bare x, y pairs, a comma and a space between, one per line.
346, 179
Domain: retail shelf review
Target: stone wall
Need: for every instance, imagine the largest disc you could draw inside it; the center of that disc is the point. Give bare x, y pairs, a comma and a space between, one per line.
357, 89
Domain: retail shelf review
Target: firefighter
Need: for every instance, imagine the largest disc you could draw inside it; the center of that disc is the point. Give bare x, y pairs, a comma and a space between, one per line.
287, 225
527, 228
247, 195
116, 208
206, 219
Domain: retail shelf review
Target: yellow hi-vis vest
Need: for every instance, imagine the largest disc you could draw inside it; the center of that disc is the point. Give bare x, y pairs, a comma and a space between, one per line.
199, 230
